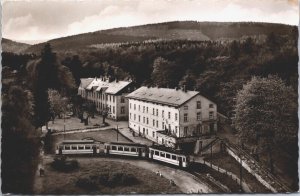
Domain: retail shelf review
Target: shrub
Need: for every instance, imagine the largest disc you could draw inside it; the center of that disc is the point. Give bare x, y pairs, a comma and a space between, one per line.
62, 164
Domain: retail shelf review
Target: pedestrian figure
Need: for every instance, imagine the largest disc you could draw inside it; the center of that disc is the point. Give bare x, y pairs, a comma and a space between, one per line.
42, 172
157, 173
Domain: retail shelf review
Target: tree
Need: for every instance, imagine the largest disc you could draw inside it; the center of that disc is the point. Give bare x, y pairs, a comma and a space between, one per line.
58, 104
266, 112
234, 49
104, 113
20, 142
188, 80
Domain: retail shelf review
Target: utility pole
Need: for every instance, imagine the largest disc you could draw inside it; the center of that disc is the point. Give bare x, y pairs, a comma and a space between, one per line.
241, 172
64, 125
117, 133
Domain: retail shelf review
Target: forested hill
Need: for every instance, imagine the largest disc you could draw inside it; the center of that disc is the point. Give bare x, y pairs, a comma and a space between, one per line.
12, 46
187, 30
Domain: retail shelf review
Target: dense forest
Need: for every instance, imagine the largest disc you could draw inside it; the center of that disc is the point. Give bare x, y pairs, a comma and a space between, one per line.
217, 62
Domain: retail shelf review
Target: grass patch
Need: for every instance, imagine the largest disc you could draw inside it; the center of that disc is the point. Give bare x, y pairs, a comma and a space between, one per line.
96, 176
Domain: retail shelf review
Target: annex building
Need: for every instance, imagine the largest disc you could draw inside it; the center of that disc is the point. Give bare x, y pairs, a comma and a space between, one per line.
106, 93
171, 116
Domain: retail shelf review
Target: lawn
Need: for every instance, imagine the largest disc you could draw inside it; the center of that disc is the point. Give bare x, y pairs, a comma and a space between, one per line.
146, 182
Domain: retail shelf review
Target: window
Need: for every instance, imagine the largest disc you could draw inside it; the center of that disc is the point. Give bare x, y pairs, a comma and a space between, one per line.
130, 105
147, 109
74, 147
80, 147
113, 109
174, 157
139, 118
126, 149
134, 107
211, 105
109, 97
199, 116
186, 107
199, 129
67, 148
114, 148
143, 109
185, 131
147, 131
176, 116
162, 154
133, 149
198, 104
153, 112
168, 156
147, 121
139, 107
162, 114
176, 129
113, 99
123, 110
185, 117
143, 119
134, 117
211, 115
153, 134
122, 100
120, 148
157, 123
156, 153
156, 112
87, 147
163, 125
153, 123
169, 115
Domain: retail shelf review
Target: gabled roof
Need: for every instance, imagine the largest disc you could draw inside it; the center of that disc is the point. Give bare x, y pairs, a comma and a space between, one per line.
164, 96
97, 84
84, 82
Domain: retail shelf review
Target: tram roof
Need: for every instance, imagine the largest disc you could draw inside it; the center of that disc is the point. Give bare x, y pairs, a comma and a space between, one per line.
126, 144
77, 142
168, 149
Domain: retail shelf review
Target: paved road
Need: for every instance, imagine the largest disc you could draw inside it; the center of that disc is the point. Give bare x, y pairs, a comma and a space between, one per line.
184, 180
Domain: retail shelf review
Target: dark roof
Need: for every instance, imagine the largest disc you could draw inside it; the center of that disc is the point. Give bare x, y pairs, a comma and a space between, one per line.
168, 149
164, 96
126, 144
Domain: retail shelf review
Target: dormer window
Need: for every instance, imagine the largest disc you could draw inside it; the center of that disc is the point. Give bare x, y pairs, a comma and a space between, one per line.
211, 105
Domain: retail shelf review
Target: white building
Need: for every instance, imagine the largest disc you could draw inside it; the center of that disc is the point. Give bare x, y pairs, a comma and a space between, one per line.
171, 116
107, 94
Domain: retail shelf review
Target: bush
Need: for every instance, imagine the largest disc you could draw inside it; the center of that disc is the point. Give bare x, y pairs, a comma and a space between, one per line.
62, 164
87, 183
117, 179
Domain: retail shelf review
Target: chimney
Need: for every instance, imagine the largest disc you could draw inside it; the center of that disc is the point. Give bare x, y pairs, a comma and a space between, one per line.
176, 88
117, 80
184, 88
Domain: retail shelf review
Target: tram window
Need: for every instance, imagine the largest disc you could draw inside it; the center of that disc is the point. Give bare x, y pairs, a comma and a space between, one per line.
126, 149
168, 156
120, 148
87, 147
151, 151
162, 154
133, 149
80, 147
113, 147
173, 157
74, 147
67, 147
157, 153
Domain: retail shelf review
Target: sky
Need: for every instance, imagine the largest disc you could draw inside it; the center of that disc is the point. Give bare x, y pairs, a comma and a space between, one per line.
33, 21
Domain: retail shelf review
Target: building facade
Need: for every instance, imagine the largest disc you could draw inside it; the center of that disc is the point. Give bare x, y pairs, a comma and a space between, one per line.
170, 116
107, 94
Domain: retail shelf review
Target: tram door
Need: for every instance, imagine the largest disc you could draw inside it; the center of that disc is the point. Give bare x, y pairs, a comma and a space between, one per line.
180, 161
151, 154
94, 150
60, 150
140, 152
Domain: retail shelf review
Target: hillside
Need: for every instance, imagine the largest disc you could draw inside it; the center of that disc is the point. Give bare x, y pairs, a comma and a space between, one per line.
188, 30
12, 46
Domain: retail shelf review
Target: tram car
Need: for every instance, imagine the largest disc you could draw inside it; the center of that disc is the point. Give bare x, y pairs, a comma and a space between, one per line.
126, 149
78, 147
169, 155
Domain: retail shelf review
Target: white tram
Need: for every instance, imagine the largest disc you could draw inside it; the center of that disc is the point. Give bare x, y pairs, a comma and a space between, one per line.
78, 147
169, 155
126, 149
